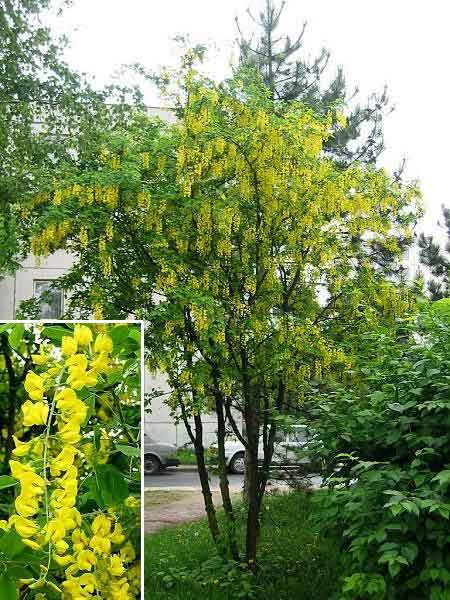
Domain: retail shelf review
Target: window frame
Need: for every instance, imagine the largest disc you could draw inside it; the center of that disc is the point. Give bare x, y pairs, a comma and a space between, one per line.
61, 296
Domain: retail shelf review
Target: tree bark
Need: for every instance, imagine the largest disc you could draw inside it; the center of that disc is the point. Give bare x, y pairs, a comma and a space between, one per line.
223, 479
204, 481
252, 488
196, 438
12, 399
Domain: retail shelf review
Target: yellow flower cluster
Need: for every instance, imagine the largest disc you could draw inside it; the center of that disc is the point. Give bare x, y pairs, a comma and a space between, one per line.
51, 238
94, 554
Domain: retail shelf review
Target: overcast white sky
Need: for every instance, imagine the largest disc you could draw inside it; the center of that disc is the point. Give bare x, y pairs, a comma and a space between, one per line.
403, 43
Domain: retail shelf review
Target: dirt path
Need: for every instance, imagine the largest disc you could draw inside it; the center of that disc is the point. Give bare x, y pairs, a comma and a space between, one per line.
165, 508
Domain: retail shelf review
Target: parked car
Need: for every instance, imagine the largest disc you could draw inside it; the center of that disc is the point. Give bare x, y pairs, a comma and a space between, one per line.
285, 450
158, 456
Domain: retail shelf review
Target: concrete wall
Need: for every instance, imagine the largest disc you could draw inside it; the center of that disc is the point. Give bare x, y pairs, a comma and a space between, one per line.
20, 287
160, 425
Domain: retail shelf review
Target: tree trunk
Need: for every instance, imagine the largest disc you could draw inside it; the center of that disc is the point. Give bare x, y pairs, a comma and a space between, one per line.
204, 480
252, 423
196, 438
223, 479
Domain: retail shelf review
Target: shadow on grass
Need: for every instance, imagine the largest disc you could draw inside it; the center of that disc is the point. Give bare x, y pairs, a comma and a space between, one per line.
294, 562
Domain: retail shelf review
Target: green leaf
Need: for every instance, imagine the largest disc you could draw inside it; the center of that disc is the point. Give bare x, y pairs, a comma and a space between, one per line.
55, 333
6, 481
114, 376
443, 477
11, 544
135, 334
411, 507
119, 334
129, 450
108, 486
16, 335
432, 372
5, 327
8, 590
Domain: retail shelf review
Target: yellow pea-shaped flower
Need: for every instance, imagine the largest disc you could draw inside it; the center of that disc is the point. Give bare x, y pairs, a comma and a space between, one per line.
88, 582
63, 561
65, 396
117, 536
101, 363
70, 433
101, 545
103, 343
82, 335
127, 553
32, 544
34, 414
116, 567
63, 461
22, 448
86, 560
101, 525
61, 547
24, 527
26, 505
55, 531
68, 345
34, 386
77, 361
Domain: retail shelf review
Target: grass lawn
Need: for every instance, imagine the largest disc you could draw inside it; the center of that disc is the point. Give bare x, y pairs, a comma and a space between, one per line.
295, 563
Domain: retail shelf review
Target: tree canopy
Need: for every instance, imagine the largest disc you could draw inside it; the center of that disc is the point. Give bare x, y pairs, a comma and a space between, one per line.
45, 110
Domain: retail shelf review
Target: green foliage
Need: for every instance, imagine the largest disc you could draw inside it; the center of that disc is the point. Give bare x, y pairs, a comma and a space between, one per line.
46, 110
181, 562
186, 456
385, 440
437, 260
441, 308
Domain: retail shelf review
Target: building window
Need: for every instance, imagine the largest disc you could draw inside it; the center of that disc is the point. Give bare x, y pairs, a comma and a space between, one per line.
51, 299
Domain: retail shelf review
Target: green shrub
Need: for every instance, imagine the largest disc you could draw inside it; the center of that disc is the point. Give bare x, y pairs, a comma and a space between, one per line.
441, 309
386, 443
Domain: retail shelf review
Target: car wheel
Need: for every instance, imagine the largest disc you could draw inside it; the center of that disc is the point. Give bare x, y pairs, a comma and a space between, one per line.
152, 464
237, 464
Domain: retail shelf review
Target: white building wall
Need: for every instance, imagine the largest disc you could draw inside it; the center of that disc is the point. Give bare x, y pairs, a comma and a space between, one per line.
160, 425
20, 287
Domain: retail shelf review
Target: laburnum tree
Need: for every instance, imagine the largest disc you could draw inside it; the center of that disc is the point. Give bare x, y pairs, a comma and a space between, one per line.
45, 109
437, 259
239, 242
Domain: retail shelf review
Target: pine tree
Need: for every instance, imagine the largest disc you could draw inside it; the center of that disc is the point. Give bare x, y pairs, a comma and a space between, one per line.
437, 260
290, 76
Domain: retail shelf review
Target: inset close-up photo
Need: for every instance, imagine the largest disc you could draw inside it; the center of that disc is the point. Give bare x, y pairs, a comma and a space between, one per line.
70, 468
